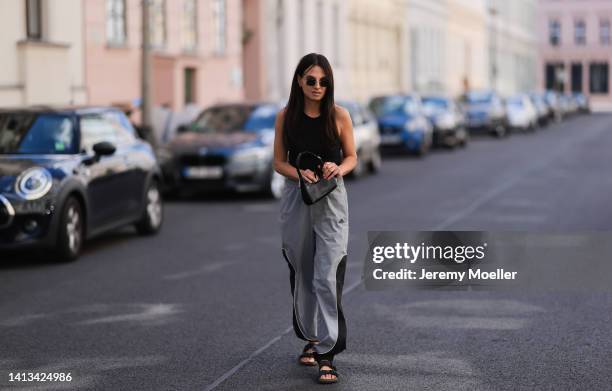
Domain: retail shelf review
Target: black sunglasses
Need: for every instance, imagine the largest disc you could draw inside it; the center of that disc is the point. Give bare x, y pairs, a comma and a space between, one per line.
311, 82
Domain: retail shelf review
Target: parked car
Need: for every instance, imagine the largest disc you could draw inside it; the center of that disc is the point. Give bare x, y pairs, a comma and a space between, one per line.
554, 102
582, 102
367, 138
68, 174
402, 123
485, 112
227, 147
447, 119
543, 111
522, 114
567, 105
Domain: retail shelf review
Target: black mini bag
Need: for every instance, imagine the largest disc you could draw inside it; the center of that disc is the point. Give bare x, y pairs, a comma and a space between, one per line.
314, 192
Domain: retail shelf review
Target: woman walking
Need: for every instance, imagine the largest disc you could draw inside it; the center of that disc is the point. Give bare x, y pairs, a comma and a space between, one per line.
315, 237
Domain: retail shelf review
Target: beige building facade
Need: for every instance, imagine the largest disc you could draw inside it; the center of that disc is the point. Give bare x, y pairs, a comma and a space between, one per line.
378, 48
466, 46
41, 53
277, 33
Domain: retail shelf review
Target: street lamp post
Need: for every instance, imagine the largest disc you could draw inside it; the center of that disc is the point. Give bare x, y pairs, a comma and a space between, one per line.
493, 54
146, 104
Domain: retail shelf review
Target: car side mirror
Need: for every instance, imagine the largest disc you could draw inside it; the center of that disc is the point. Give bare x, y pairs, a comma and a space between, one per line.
104, 148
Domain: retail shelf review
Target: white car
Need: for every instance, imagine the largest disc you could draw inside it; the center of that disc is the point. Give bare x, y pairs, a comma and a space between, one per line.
367, 138
522, 114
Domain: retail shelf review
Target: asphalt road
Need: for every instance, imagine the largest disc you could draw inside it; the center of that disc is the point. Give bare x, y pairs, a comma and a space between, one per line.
207, 305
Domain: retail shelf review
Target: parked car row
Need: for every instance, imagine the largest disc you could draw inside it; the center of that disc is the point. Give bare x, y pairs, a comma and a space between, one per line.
413, 123
230, 147
68, 174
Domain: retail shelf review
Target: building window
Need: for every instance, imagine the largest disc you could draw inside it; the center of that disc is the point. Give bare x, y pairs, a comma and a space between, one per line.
157, 14
115, 22
220, 20
598, 78
576, 74
190, 85
554, 32
579, 32
190, 25
604, 31
34, 19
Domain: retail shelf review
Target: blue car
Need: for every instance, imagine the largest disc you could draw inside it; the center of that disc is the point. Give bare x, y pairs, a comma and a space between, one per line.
227, 147
402, 123
69, 174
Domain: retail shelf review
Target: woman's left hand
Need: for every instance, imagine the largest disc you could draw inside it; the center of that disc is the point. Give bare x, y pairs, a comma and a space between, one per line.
330, 170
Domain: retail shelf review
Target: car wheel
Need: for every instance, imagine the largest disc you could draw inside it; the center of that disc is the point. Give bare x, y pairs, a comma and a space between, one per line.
70, 235
276, 183
465, 138
153, 213
424, 147
500, 131
375, 162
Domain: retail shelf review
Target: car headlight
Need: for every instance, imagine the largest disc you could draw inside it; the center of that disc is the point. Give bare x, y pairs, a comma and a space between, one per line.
251, 155
445, 121
411, 125
33, 183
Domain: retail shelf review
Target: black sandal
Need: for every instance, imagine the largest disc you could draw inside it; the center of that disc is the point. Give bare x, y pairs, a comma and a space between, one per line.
307, 354
323, 372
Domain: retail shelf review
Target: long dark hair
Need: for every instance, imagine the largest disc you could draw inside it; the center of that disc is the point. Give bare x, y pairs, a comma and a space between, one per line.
295, 106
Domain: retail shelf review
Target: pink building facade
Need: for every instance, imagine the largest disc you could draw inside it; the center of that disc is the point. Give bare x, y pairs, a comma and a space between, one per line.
575, 45
197, 55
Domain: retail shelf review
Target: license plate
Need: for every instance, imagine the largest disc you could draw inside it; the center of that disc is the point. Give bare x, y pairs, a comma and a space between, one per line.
390, 138
202, 172
476, 121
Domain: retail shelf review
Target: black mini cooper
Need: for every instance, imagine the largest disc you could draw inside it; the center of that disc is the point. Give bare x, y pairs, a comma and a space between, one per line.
67, 174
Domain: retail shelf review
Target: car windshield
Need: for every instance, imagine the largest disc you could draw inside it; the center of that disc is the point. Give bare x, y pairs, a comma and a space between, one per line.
478, 98
223, 119
433, 105
261, 118
38, 134
515, 101
398, 105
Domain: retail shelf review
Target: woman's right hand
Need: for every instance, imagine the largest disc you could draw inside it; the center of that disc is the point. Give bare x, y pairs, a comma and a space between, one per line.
309, 176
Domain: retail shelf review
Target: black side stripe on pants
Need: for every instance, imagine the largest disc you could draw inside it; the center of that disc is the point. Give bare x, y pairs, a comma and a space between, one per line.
296, 328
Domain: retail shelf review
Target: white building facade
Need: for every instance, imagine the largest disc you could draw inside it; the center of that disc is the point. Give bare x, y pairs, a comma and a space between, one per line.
427, 24
512, 45
279, 32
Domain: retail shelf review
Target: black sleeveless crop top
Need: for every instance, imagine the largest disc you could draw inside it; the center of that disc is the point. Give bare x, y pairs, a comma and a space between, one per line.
309, 135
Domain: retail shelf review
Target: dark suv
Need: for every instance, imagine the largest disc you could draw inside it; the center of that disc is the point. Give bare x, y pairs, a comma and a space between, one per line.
67, 174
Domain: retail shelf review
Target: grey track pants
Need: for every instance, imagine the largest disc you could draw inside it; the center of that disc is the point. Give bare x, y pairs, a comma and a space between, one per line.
314, 244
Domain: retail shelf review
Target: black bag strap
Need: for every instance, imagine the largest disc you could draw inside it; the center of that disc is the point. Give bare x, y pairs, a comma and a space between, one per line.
299, 159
